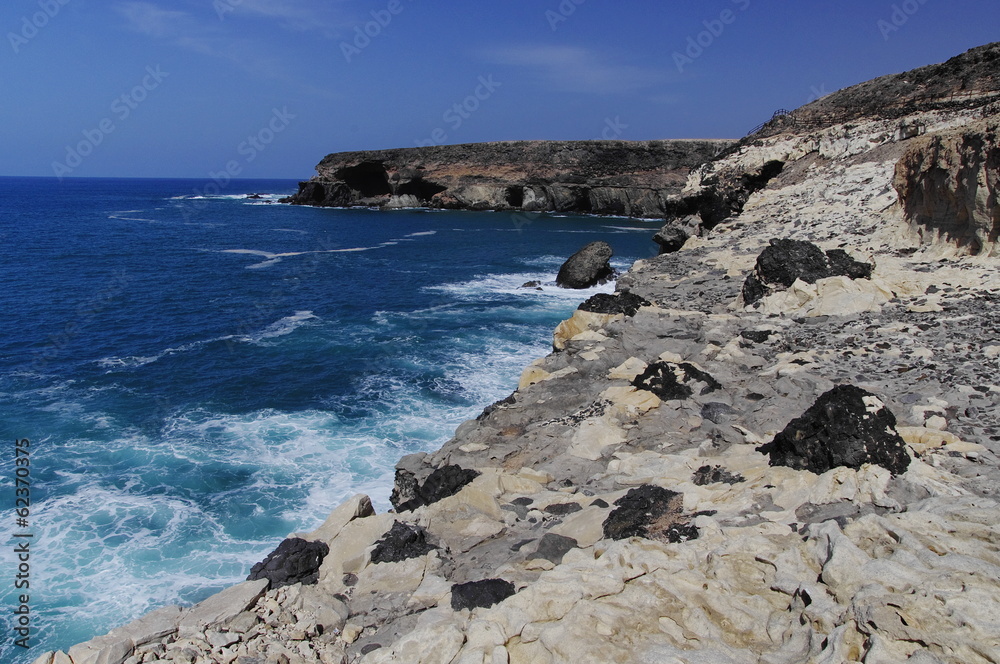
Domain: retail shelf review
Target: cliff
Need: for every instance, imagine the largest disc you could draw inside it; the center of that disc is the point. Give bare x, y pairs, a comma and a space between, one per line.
776, 444
599, 177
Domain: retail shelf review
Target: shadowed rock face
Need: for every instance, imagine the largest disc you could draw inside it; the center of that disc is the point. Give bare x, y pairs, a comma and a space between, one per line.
949, 186
294, 561
600, 177
847, 426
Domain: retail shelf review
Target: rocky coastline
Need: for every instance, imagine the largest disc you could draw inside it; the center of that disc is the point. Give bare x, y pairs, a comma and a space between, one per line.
628, 178
776, 443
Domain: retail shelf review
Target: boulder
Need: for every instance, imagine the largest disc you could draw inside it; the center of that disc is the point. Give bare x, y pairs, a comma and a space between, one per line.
402, 542
676, 232
847, 426
480, 594
785, 261
587, 267
294, 561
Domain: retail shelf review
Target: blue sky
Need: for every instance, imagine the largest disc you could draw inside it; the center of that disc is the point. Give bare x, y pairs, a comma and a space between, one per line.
186, 88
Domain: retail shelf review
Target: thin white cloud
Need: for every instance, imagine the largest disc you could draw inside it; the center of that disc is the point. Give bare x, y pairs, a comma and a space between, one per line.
575, 69
148, 19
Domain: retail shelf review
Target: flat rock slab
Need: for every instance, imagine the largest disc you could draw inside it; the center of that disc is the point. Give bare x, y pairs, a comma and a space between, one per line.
221, 607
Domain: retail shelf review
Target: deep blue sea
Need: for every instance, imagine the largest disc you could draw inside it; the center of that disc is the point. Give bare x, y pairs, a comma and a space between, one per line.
200, 376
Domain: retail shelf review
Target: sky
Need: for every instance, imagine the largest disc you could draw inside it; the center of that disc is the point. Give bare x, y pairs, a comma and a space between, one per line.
267, 88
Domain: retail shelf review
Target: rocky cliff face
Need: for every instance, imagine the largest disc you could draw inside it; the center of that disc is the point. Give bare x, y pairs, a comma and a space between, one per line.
807, 473
949, 185
600, 177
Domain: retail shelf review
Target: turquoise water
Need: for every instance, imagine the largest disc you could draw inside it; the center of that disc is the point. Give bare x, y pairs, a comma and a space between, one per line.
200, 376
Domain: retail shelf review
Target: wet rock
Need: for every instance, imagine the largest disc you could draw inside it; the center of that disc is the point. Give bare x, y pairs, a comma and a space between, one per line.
403, 541
671, 381
480, 594
619, 303
784, 261
652, 512
294, 561
847, 426
587, 267
441, 483
715, 475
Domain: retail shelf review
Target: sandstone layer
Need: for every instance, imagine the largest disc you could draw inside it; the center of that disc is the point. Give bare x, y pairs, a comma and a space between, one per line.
596, 177
658, 489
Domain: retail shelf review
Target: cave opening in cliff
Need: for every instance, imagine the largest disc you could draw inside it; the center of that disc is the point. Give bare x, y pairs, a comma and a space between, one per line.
422, 189
368, 178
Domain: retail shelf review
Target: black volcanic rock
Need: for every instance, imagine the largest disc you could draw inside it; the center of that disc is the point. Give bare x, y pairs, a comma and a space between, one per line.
847, 426
482, 594
408, 494
784, 261
587, 267
671, 381
617, 303
294, 561
403, 541
652, 512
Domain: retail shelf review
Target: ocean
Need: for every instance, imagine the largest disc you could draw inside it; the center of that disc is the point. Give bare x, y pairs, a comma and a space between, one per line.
201, 375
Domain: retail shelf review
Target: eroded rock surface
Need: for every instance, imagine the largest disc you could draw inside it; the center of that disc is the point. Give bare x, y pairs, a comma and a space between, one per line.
587, 267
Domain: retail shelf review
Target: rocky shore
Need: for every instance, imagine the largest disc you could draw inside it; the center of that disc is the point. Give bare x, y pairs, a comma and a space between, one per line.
776, 443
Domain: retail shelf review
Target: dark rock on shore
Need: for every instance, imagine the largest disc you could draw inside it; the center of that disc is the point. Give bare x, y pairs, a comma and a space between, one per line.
618, 303
294, 561
847, 426
480, 594
403, 541
587, 267
784, 261
671, 381
652, 512
408, 495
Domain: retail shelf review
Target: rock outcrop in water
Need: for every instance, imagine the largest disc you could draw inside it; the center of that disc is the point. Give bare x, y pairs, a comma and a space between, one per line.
618, 506
628, 178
